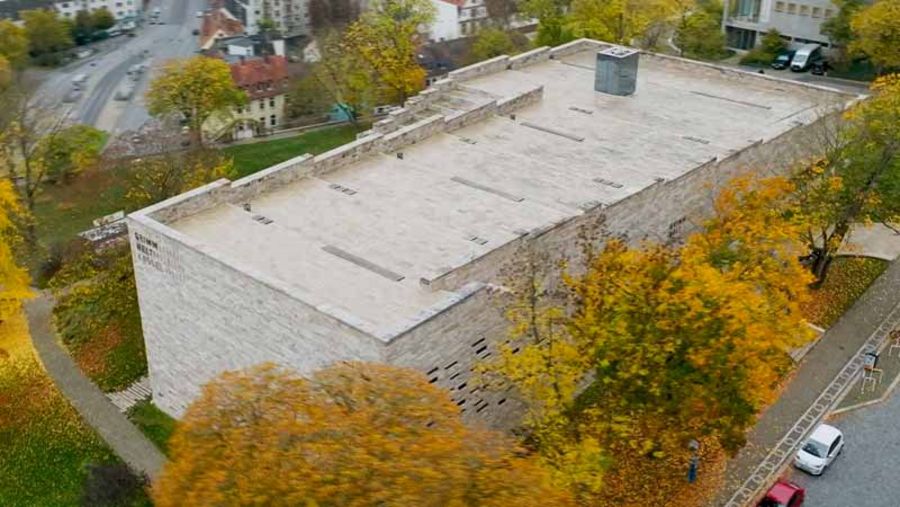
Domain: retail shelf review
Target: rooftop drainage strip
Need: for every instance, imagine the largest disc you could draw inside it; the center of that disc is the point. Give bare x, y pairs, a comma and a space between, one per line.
696, 139
580, 110
359, 261
485, 188
570, 64
608, 183
726, 99
342, 189
553, 131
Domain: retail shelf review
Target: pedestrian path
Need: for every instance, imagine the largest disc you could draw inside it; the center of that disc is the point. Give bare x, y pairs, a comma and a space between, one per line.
131, 395
873, 240
815, 378
94, 407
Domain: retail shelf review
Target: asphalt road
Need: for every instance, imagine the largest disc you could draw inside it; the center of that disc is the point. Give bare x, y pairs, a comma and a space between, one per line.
865, 474
107, 70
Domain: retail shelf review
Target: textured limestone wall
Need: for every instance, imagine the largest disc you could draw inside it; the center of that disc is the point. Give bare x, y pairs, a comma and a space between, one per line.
201, 317
448, 347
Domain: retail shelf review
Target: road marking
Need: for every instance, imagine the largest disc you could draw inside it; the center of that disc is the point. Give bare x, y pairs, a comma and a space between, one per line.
827, 400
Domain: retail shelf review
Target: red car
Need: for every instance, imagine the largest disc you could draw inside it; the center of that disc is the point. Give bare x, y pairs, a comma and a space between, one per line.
784, 494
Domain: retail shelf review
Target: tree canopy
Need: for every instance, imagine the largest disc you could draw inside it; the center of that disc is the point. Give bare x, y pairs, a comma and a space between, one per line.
877, 33
353, 434
13, 43
47, 32
194, 89
680, 341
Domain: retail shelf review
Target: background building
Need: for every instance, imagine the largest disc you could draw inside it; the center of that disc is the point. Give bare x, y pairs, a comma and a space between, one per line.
264, 80
799, 21
120, 9
290, 17
390, 248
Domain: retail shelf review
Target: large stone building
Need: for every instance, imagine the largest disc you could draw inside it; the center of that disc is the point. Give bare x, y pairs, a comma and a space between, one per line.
388, 248
120, 9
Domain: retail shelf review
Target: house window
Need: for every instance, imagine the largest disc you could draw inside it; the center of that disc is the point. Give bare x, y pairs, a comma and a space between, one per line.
273, 120
272, 102
829, 13
240, 110
792, 9
262, 104
804, 10
779, 6
817, 12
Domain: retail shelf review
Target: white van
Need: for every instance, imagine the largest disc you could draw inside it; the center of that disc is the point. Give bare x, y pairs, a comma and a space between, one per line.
805, 56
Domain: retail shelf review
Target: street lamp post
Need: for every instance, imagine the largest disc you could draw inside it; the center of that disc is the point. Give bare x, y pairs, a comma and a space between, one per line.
694, 446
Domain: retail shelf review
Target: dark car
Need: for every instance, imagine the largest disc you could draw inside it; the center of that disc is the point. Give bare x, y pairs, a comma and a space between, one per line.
783, 60
819, 67
784, 494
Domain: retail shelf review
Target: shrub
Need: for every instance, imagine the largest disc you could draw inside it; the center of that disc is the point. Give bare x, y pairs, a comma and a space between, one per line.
112, 485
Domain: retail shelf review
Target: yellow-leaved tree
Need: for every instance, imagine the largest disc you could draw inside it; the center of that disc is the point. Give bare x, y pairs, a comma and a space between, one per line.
877, 32
14, 279
194, 89
386, 38
677, 342
621, 21
353, 434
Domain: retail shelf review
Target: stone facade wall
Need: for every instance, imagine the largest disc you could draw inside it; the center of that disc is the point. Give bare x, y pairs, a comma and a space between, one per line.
495, 64
449, 346
202, 317
653, 212
529, 57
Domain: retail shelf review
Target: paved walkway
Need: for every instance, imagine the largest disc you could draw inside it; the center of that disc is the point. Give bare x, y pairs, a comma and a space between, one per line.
95, 408
818, 369
874, 240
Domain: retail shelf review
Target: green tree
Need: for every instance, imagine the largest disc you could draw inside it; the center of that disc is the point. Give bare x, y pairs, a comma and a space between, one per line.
13, 43
307, 97
83, 28
194, 89
70, 151
352, 434
491, 42
838, 28
877, 32
101, 19
47, 33
699, 34
551, 16
771, 45
349, 82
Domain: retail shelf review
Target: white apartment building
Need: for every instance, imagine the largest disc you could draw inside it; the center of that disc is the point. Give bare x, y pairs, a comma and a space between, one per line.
120, 9
291, 17
800, 21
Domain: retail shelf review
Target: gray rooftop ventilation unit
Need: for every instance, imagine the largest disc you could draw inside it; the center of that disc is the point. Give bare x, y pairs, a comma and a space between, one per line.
616, 72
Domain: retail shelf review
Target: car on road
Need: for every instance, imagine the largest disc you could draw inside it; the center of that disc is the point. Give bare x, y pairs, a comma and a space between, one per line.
199, 14
820, 449
195, 31
783, 494
783, 60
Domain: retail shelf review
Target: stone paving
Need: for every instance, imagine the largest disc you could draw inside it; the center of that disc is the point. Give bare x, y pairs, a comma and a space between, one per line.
94, 407
821, 366
131, 395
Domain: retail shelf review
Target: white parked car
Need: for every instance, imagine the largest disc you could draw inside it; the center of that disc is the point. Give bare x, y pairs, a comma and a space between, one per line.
820, 449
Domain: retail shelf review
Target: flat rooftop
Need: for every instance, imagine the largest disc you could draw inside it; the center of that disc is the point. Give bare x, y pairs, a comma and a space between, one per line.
361, 237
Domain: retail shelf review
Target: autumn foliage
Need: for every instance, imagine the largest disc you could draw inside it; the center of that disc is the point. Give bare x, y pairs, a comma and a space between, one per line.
655, 345
354, 434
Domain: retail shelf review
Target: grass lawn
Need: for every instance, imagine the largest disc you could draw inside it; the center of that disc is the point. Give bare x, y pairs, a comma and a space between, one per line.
848, 277
155, 423
250, 158
44, 445
62, 211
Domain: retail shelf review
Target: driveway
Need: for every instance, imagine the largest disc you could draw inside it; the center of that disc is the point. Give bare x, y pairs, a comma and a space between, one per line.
865, 474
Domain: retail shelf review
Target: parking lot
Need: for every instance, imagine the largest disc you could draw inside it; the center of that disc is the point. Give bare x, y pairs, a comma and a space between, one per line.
865, 474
